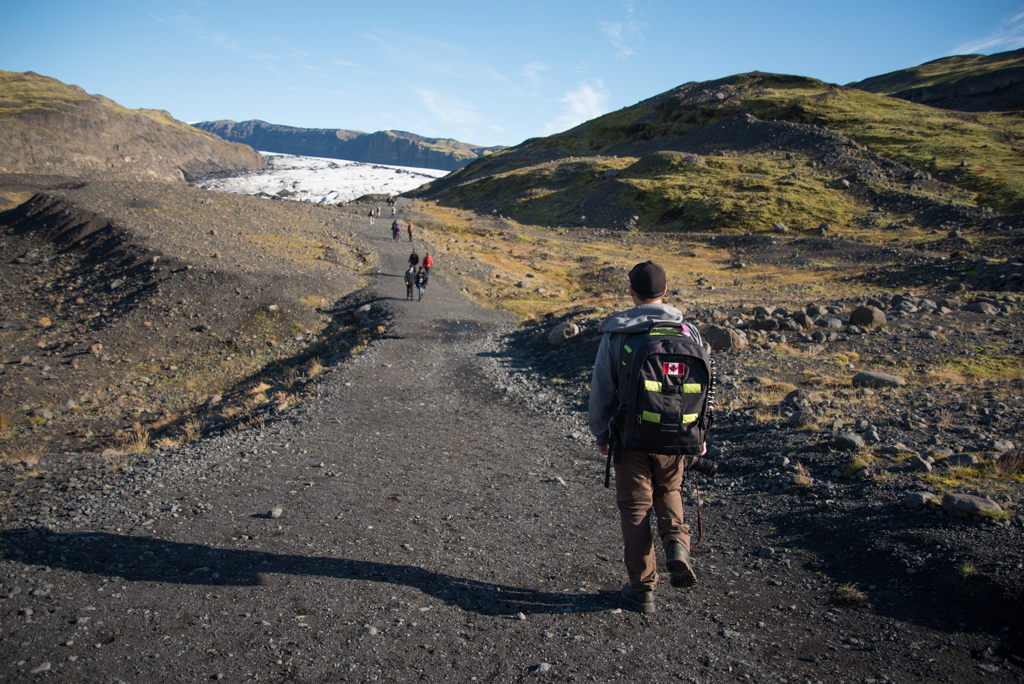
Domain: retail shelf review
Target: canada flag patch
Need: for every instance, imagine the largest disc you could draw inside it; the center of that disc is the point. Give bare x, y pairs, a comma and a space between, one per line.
669, 368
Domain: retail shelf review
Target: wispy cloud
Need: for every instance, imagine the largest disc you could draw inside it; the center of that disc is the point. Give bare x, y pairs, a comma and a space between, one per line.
624, 35
195, 27
413, 53
587, 101
447, 110
532, 72
1007, 36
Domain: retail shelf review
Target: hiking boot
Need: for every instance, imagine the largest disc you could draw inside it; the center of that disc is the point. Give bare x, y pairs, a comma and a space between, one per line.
640, 601
679, 565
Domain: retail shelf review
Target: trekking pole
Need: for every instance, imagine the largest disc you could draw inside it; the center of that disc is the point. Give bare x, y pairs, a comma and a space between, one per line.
700, 520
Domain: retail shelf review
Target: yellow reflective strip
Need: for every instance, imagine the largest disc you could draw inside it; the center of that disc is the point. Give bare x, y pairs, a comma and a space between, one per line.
691, 388
628, 350
651, 417
652, 386
690, 417
662, 331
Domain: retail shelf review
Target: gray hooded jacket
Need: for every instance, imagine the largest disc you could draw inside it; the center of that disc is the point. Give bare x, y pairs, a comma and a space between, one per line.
604, 384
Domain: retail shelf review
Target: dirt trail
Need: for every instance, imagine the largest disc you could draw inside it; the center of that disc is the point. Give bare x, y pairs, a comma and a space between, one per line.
429, 529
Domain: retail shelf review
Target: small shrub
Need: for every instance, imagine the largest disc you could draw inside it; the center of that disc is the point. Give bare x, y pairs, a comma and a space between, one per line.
137, 441
27, 454
967, 570
1010, 464
849, 593
857, 463
260, 388
314, 368
192, 430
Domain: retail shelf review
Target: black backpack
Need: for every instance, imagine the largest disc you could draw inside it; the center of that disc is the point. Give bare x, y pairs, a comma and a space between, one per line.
666, 392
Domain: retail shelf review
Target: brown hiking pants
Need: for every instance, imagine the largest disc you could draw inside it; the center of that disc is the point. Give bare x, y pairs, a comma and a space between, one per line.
644, 480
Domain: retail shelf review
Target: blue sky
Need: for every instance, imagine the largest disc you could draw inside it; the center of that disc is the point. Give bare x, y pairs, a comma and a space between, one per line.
489, 72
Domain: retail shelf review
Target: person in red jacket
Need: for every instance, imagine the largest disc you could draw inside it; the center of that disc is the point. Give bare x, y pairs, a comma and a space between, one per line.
427, 262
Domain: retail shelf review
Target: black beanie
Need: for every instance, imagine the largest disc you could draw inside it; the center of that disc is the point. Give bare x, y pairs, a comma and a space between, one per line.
647, 280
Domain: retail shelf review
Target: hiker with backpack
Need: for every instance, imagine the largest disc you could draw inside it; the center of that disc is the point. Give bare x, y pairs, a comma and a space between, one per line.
410, 282
421, 281
651, 405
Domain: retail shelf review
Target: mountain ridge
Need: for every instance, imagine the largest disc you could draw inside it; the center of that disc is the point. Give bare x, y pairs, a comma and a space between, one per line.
748, 152
970, 83
394, 148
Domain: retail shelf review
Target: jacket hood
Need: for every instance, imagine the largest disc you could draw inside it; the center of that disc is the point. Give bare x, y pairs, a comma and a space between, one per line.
640, 318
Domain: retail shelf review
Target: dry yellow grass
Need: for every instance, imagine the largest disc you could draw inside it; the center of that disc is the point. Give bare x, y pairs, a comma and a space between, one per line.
259, 388
117, 460
314, 368
26, 454
553, 259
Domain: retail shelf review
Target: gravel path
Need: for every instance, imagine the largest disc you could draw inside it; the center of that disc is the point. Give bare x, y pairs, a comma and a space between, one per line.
418, 521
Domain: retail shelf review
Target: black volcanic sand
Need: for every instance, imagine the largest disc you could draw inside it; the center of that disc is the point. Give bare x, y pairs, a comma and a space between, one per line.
435, 514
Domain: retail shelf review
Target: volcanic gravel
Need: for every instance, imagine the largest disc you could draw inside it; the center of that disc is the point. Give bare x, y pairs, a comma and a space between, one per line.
437, 514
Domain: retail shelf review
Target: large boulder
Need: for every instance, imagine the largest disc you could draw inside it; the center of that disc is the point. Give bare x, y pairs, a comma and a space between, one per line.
723, 339
967, 505
764, 324
980, 307
876, 379
803, 320
562, 333
849, 441
867, 316
916, 500
801, 397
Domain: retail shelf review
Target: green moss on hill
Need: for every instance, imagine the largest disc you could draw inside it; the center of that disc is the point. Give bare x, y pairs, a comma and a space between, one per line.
725, 155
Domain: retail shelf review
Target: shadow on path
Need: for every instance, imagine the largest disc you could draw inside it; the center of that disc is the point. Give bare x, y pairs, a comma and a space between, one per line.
144, 559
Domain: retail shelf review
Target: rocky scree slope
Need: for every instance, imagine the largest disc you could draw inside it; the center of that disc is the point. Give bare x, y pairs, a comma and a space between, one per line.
48, 127
143, 303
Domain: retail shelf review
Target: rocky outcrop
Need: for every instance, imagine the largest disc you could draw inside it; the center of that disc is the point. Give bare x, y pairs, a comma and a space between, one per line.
968, 83
395, 148
997, 91
48, 127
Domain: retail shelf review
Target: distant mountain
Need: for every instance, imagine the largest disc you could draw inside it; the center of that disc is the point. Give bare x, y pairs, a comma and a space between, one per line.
49, 127
395, 148
969, 83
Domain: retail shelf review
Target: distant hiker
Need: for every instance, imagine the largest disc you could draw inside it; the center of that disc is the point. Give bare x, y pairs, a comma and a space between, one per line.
410, 232
371, 217
414, 259
428, 261
392, 211
646, 478
377, 207
421, 281
410, 280
396, 231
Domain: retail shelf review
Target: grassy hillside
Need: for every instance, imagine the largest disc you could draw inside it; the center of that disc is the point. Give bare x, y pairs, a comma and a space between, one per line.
746, 152
941, 71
